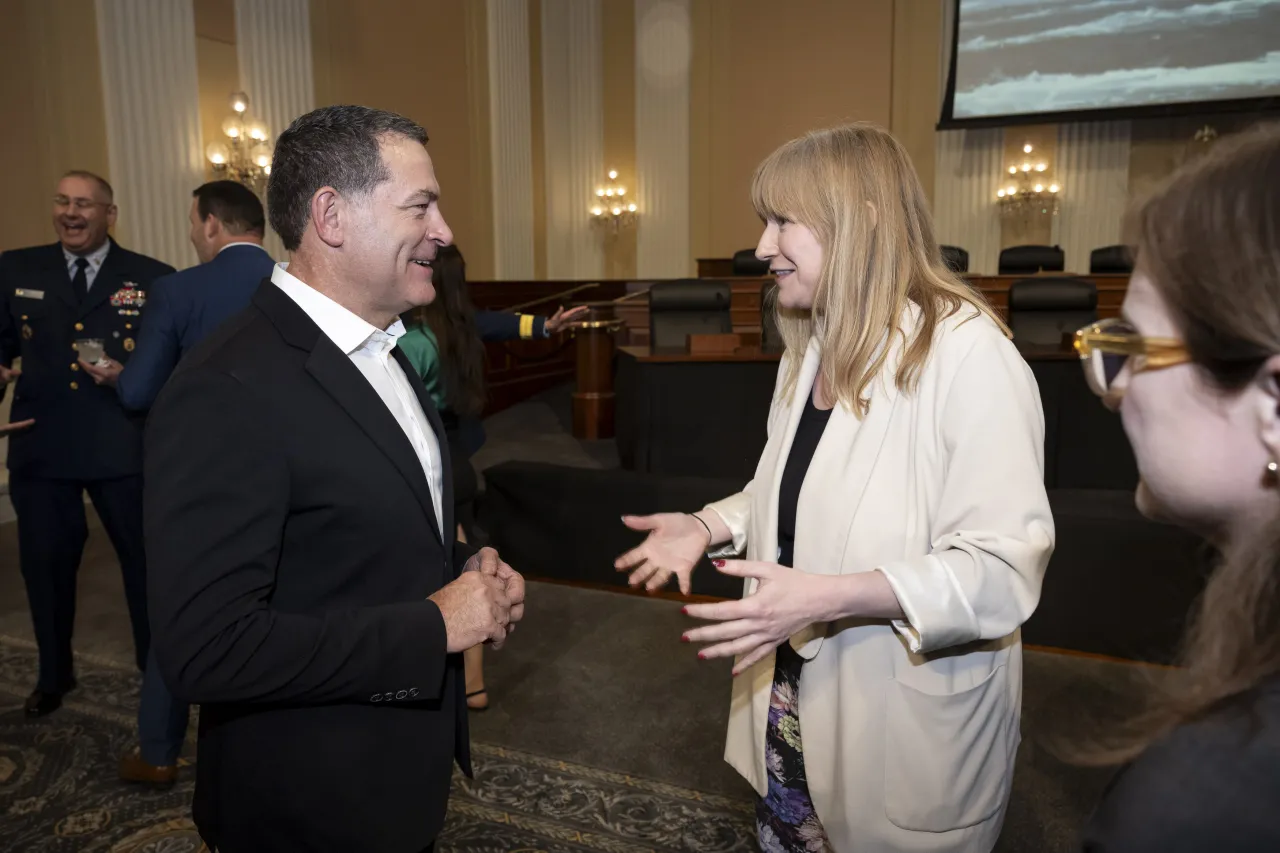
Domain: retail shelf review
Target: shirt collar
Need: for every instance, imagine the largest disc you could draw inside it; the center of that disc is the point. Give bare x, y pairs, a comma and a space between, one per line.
240, 243
346, 329
95, 258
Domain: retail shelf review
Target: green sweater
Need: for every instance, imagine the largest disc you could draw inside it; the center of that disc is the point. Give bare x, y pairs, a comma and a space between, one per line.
418, 343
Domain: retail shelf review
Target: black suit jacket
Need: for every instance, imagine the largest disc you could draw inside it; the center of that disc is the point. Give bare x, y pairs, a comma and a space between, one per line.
81, 431
291, 546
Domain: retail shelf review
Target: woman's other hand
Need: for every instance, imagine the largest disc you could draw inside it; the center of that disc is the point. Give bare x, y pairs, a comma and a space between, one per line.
785, 601
675, 543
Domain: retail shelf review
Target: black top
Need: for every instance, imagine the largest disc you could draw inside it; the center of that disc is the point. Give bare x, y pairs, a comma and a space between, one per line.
1212, 785
809, 432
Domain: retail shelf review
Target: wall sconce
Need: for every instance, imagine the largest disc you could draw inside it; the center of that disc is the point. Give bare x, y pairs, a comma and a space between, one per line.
245, 156
1030, 189
611, 207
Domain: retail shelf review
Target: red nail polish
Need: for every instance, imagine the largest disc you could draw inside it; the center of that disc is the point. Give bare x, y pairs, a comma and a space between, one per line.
719, 564
701, 656
684, 639
684, 610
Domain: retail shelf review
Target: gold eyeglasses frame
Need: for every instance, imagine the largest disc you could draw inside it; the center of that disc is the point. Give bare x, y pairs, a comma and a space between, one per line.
1146, 353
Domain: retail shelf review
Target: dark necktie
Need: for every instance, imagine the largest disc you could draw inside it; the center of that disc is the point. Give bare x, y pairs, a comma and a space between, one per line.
80, 281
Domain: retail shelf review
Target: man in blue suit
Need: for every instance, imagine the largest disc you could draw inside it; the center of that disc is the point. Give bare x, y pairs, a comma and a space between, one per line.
227, 226
84, 294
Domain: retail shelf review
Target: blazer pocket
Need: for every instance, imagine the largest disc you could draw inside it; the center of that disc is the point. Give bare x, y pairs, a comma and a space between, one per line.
949, 757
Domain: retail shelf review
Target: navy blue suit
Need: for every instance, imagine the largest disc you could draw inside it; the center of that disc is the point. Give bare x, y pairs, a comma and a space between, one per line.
182, 309
82, 440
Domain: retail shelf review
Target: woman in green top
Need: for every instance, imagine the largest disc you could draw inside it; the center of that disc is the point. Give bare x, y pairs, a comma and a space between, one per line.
444, 341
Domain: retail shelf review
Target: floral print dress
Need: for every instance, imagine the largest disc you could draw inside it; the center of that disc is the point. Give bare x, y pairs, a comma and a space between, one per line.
785, 817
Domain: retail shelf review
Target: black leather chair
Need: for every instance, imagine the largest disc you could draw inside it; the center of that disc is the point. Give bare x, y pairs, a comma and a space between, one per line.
1110, 260
746, 263
770, 337
691, 306
1026, 260
1042, 310
956, 259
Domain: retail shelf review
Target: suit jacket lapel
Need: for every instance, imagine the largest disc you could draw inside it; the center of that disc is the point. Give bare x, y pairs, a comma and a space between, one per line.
437, 427
344, 382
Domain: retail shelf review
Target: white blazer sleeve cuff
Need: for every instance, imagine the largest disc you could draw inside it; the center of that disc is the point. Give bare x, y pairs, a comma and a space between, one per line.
937, 614
735, 512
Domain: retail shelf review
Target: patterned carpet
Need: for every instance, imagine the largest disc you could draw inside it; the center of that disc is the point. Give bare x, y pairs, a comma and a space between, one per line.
59, 792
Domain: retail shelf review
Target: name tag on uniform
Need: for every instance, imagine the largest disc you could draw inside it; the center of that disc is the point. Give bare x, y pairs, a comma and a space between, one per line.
29, 294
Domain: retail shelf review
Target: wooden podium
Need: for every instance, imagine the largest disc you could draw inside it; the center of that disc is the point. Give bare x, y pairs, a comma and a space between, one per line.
593, 399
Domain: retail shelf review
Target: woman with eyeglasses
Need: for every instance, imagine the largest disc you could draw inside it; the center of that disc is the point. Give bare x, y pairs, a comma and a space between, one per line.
1193, 367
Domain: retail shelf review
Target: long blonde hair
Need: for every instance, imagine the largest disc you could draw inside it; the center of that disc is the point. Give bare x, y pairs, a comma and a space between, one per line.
855, 189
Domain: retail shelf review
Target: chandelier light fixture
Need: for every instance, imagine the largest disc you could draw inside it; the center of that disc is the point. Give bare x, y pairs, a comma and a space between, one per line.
611, 208
245, 155
1030, 189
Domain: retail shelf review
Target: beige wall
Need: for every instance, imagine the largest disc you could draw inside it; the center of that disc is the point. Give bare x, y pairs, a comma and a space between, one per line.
217, 68
618, 35
411, 56
51, 108
761, 78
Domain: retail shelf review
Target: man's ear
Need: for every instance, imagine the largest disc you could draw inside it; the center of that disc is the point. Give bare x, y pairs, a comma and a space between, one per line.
329, 212
1269, 407
212, 228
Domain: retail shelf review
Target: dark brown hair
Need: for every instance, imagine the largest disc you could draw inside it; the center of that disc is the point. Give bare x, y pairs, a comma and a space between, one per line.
452, 319
233, 204
339, 147
1209, 240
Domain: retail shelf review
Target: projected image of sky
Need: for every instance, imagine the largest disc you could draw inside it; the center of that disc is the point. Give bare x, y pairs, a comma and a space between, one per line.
1037, 56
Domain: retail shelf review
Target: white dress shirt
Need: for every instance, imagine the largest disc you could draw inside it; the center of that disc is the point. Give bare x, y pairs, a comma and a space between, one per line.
369, 349
95, 259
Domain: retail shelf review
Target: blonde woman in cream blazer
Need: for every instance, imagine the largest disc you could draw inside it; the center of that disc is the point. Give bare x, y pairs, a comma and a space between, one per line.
921, 529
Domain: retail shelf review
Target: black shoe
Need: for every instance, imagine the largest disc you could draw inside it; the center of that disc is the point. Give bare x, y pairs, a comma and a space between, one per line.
40, 703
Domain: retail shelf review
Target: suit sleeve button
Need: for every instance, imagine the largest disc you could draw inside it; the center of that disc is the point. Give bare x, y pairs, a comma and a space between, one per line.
79, 327
413, 692
75, 386
377, 697
402, 694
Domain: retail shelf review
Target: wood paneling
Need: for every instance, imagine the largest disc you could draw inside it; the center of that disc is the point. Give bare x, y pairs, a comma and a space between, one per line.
519, 369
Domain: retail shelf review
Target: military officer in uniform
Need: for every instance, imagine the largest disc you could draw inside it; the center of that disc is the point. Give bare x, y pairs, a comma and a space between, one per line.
56, 302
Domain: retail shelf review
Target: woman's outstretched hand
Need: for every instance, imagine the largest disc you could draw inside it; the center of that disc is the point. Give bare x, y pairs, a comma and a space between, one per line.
675, 543
785, 601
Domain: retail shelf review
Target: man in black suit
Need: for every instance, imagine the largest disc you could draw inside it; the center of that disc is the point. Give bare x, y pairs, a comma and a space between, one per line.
306, 586
54, 300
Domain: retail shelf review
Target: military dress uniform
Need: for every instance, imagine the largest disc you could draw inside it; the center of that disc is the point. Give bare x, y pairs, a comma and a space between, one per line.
83, 440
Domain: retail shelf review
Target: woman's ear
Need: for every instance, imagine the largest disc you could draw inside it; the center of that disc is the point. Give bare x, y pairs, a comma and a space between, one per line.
1269, 407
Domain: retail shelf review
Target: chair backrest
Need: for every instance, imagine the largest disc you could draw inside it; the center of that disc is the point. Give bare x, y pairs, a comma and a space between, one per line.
1024, 260
1042, 310
770, 337
692, 306
746, 263
956, 259
1110, 259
